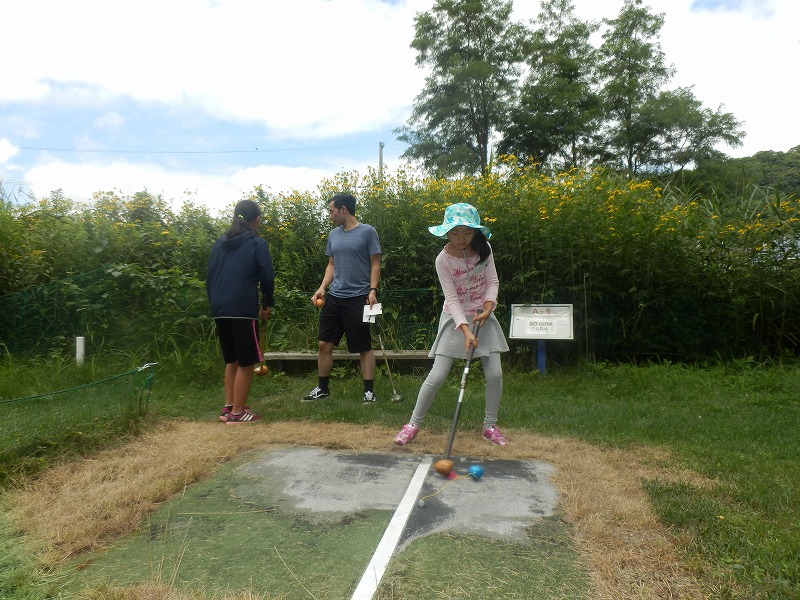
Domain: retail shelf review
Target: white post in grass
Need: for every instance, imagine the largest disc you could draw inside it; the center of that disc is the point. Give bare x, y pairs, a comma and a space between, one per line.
80, 349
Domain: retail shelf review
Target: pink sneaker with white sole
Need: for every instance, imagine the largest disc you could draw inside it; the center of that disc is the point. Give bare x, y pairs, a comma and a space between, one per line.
243, 417
226, 410
494, 435
406, 435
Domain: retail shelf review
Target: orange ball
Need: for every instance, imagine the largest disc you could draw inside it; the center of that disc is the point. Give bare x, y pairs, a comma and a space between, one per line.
319, 302
443, 467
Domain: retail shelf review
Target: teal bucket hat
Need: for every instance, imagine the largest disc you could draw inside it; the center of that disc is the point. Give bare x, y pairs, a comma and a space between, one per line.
459, 214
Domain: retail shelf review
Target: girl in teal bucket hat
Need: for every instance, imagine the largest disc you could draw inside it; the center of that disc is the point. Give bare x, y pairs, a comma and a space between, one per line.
468, 278
457, 215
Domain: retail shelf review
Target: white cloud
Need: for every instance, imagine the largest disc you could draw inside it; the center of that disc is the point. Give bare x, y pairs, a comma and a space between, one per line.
308, 68
7, 150
109, 120
215, 190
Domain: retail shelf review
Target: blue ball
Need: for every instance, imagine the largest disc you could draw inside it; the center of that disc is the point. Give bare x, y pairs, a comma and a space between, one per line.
475, 471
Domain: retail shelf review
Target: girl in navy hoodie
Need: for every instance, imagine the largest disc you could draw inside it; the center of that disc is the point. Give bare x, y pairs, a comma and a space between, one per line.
239, 265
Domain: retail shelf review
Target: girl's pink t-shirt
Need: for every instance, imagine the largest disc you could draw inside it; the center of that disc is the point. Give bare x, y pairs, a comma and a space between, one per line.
466, 285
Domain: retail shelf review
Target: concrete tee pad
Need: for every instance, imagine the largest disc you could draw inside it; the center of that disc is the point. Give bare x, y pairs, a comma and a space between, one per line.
291, 520
327, 485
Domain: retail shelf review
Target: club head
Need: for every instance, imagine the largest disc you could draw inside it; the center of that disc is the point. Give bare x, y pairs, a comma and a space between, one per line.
261, 369
443, 467
397, 397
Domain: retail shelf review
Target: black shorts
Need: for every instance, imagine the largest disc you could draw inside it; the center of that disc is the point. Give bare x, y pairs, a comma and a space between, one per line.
345, 316
238, 339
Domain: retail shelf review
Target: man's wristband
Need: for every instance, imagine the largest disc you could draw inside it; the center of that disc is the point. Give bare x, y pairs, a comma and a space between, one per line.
373, 289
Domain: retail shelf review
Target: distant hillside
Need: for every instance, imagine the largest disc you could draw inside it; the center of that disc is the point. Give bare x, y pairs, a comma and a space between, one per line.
733, 177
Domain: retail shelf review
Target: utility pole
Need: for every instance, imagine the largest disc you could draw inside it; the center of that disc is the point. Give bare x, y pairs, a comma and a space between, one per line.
380, 161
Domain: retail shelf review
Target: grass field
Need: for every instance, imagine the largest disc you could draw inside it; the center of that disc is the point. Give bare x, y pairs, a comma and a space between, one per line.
736, 426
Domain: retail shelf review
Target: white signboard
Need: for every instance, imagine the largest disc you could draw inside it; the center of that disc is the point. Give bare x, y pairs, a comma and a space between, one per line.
541, 321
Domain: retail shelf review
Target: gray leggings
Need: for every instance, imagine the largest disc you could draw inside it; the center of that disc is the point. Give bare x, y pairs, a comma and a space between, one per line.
438, 375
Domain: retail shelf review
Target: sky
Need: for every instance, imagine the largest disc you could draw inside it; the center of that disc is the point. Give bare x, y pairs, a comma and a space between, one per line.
207, 99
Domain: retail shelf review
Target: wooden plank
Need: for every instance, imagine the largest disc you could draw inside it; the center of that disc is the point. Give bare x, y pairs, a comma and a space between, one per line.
390, 354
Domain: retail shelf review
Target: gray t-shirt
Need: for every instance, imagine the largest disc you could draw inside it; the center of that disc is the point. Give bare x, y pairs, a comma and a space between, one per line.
351, 251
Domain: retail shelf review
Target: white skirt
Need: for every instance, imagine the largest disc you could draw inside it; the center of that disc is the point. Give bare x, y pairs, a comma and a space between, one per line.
450, 341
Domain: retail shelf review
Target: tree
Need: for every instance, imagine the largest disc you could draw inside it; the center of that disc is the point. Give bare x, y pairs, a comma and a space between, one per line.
689, 132
777, 170
633, 69
556, 116
647, 127
474, 52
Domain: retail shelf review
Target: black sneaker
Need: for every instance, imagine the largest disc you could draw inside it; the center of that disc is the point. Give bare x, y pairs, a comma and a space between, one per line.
369, 398
316, 394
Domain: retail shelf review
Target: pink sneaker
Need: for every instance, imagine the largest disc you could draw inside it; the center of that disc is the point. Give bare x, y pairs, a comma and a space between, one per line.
226, 411
406, 434
244, 417
494, 435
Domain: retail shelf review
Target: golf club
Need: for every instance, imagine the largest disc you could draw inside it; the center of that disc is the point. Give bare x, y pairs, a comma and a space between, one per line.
475, 326
262, 369
395, 396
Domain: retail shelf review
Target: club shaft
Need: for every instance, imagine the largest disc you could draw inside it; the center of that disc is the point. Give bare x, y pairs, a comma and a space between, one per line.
262, 327
386, 360
461, 392
458, 411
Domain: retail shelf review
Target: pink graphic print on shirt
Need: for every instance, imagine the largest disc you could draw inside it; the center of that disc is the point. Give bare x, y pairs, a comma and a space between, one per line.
470, 283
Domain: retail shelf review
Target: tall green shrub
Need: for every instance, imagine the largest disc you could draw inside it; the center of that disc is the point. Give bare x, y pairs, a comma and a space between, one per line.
650, 273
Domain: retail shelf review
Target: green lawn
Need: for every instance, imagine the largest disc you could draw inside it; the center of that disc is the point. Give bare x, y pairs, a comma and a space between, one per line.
737, 423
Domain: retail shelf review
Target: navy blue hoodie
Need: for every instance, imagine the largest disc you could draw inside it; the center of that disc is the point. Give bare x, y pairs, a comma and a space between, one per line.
237, 267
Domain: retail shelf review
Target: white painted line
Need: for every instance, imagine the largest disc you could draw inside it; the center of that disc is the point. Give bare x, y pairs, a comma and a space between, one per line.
383, 553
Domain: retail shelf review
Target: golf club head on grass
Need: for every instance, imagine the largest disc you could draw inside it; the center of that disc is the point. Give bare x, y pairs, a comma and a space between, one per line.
261, 369
395, 396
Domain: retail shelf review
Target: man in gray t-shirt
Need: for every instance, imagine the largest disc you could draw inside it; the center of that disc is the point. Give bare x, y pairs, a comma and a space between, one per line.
353, 273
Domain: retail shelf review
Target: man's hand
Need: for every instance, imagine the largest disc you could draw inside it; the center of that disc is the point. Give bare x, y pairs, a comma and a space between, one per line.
318, 295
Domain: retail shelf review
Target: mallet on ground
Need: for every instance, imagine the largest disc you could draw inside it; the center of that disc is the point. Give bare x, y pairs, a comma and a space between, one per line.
395, 396
445, 465
262, 369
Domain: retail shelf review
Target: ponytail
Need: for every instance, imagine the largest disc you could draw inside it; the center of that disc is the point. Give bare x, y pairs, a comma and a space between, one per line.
244, 218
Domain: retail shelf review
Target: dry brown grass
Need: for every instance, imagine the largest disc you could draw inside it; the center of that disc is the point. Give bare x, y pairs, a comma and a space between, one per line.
630, 553
165, 592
